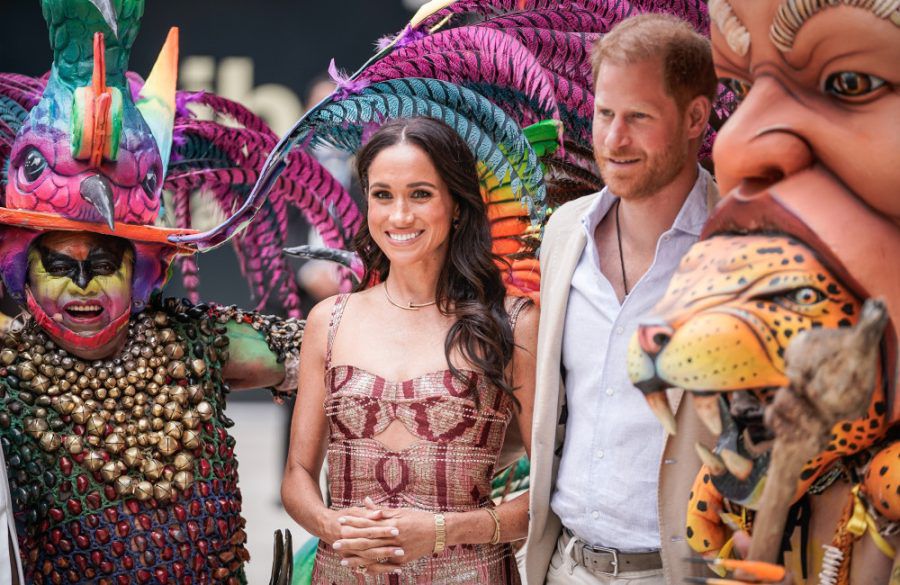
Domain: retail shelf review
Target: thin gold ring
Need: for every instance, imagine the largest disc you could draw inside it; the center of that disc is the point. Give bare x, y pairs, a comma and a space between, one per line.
362, 570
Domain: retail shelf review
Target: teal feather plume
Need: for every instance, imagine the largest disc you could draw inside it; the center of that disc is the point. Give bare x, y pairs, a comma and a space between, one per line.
494, 137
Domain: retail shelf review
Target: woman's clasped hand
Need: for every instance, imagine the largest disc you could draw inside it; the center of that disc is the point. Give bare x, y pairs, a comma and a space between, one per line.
382, 539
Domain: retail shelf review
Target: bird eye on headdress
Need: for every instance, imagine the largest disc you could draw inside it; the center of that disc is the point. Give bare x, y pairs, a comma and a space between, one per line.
150, 182
33, 165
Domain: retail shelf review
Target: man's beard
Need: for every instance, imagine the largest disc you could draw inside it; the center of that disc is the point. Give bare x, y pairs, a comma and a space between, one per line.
658, 171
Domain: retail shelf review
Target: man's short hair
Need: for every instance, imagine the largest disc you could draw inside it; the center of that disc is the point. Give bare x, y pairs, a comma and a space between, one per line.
686, 56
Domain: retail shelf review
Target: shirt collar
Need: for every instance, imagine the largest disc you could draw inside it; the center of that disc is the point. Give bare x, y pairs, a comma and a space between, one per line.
690, 218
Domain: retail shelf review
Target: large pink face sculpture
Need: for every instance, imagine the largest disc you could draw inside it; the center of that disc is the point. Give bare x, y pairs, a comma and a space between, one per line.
819, 85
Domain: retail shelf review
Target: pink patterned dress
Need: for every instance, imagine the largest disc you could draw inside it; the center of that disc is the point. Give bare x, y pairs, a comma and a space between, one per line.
448, 469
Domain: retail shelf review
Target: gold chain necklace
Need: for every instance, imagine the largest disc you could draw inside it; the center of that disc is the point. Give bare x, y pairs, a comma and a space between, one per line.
411, 306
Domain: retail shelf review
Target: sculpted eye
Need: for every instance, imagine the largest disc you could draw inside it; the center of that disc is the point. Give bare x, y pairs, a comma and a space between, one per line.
34, 165
852, 84
805, 296
150, 182
739, 88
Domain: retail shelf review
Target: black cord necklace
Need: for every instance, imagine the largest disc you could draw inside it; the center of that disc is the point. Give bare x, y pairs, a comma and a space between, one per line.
621, 255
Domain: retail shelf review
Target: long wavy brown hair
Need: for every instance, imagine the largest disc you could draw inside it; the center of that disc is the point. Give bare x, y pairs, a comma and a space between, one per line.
469, 286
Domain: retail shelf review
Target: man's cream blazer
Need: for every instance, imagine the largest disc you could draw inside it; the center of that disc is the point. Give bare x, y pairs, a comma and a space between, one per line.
561, 248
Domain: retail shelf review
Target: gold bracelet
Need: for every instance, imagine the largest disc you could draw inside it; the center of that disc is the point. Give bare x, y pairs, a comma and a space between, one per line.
440, 534
496, 538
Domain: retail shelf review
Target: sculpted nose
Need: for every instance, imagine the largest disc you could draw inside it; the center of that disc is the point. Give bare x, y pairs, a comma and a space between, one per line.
653, 337
761, 143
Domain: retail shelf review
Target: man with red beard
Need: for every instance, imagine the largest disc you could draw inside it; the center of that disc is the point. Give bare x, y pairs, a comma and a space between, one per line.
605, 262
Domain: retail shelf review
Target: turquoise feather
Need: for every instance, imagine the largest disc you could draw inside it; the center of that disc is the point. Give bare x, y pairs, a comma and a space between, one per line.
491, 134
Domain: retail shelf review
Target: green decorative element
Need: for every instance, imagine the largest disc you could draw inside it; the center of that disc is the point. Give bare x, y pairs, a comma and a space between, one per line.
81, 100
304, 560
72, 25
544, 136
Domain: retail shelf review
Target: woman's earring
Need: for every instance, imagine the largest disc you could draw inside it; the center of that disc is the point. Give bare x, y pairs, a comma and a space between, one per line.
455, 222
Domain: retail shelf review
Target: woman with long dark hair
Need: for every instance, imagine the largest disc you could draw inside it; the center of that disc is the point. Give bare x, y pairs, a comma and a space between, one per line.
408, 385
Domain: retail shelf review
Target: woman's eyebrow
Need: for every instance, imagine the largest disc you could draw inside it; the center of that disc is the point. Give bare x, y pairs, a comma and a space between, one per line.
421, 184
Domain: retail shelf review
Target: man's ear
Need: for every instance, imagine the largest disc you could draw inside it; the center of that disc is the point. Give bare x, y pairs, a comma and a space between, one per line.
696, 116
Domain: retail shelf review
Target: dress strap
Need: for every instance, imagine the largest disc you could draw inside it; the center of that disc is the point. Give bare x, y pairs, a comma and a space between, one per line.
516, 308
336, 313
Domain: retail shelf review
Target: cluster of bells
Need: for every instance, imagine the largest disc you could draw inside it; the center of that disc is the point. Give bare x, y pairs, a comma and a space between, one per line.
136, 418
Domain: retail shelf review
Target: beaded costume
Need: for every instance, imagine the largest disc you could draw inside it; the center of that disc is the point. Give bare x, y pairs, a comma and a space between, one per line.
121, 467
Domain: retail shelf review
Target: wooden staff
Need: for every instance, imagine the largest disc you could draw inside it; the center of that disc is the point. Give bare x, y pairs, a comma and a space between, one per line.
831, 375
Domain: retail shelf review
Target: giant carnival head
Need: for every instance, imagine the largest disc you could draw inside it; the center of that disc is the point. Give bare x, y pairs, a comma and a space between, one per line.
809, 228
88, 159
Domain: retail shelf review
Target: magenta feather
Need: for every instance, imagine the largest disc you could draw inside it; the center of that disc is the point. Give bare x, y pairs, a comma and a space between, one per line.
345, 86
482, 54
23, 89
569, 20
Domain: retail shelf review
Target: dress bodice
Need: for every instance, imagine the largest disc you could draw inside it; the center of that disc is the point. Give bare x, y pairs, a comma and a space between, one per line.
457, 426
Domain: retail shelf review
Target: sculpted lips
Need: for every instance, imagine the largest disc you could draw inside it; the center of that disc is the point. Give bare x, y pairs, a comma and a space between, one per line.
83, 311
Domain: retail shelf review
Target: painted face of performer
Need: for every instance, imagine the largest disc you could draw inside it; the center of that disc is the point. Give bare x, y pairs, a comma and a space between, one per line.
820, 87
80, 290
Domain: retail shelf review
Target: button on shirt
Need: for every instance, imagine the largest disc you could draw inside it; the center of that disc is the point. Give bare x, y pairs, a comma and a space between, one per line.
606, 489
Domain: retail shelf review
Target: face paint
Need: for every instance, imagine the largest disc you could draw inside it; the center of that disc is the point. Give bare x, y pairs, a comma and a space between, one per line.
80, 288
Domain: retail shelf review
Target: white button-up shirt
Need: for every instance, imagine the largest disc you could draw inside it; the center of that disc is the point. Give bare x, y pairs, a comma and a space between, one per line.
606, 490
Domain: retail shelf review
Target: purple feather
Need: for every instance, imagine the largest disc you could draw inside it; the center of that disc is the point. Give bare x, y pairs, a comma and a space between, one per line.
346, 86
407, 36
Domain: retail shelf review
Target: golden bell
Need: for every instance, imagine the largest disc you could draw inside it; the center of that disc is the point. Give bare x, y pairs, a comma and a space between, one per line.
27, 371
115, 443
173, 429
93, 460
195, 393
95, 425
50, 441
124, 485
36, 426
190, 439
205, 410
143, 490
168, 446
73, 444
184, 462
190, 419
65, 404
8, 356
174, 351
177, 369
152, 468
162, 490
133, 457
172, 411
183, 480
110, 472
179, 395
198, 366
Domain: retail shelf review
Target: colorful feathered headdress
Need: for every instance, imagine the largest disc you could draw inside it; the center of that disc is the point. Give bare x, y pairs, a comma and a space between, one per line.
93, 147
490, 69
